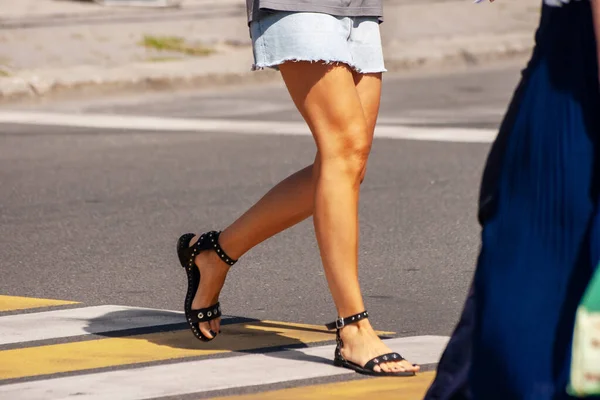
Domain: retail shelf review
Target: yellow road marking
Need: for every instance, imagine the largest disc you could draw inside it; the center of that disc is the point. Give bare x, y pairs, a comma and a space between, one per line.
412, 388
11, 303
50, 359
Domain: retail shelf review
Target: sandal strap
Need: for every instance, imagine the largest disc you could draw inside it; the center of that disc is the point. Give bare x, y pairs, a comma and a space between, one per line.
205, 314
370, 365
210, 240
340, 322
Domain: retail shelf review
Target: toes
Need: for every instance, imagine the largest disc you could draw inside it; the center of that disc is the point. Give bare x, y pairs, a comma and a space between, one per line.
406, 366
397, 367
403, 366
206, 330
385, 367
215, 325
391, 367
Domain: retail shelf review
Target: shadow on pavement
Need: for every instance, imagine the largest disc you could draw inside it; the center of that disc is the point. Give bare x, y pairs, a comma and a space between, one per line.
238, 334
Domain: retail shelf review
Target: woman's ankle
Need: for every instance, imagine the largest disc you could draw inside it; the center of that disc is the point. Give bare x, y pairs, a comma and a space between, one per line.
357, 327
227, 241
210, 258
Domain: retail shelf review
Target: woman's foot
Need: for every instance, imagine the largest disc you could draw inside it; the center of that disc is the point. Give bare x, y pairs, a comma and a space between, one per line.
362, 344
213, 272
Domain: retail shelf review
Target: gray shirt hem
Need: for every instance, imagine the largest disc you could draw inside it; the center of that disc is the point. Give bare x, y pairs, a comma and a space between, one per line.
331, 10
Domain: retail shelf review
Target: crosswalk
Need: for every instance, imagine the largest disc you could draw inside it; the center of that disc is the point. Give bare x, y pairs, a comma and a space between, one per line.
52, 349
408, 129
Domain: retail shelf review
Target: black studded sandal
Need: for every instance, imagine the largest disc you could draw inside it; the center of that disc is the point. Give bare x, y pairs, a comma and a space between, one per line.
187, 255
369, 367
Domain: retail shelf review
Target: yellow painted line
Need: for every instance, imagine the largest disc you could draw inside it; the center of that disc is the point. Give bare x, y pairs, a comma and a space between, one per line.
51, 359
412, 388
12, 303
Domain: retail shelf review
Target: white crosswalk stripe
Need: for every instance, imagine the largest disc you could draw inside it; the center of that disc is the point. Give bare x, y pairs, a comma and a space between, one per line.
254, 127
116, 368
81, 321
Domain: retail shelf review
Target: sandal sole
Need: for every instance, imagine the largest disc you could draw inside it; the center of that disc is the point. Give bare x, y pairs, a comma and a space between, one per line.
358, 369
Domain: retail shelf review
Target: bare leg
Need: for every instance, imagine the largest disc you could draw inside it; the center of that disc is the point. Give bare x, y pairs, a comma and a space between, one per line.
292, 200
288, 203
329, 100
340, 131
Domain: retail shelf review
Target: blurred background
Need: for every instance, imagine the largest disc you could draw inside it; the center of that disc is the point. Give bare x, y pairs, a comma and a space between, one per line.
48, 34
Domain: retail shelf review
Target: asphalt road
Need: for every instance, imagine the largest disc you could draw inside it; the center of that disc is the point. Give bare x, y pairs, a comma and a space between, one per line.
92, 215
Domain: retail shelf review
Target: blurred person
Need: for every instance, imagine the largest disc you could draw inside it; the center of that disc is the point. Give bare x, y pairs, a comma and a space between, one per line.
539, 209
330, 57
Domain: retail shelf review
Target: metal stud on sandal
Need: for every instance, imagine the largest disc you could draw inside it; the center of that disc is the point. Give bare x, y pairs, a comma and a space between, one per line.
187, 255
369, 367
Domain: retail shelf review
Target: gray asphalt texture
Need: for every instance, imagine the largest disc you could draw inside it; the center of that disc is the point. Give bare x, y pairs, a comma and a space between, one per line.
93, 215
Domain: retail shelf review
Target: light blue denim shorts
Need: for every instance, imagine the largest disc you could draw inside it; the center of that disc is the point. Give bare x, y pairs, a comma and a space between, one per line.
279, 36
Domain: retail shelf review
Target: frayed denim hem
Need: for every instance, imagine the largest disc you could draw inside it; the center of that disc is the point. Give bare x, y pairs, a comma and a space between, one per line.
275, 65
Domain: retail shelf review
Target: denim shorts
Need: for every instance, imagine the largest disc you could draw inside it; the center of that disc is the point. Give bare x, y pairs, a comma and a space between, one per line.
279, 36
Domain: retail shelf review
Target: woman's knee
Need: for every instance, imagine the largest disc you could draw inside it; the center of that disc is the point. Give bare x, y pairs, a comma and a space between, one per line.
347, 151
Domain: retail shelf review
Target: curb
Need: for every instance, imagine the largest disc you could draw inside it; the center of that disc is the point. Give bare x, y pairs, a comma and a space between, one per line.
233, 68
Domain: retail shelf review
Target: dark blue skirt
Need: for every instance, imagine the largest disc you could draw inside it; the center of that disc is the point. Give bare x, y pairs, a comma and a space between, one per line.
539, 210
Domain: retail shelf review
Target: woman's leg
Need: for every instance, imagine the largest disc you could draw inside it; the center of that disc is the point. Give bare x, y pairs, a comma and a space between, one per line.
288, 203
292, 200
328, 100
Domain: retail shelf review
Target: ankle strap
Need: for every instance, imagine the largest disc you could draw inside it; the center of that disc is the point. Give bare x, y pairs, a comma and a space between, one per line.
210, 240
340, 322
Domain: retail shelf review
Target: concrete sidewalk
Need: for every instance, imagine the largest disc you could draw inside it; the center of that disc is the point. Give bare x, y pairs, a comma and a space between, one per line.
49, 46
